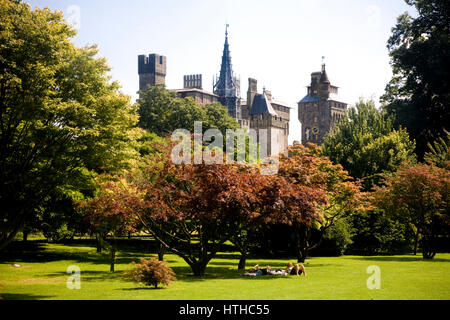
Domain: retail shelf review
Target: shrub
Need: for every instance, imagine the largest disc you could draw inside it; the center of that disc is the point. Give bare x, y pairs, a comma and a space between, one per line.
150, 272
335, 240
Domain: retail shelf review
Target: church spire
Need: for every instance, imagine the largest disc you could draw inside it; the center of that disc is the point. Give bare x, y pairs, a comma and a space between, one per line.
226, 86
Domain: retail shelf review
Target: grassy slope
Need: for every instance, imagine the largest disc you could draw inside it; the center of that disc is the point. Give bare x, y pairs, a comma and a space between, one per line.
44, 277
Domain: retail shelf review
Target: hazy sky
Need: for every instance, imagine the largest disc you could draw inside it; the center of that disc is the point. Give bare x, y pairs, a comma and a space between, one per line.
280, 43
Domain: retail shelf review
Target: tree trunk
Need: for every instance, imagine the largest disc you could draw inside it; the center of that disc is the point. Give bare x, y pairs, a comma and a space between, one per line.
98, 237
301, 242
416, 242
428, 252
25, 235
199, 267
113, 254
242, 260
161, 251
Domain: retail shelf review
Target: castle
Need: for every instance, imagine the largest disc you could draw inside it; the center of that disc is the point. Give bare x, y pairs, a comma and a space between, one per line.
318, 111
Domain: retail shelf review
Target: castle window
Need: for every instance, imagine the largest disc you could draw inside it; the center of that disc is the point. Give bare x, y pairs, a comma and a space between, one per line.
160, 60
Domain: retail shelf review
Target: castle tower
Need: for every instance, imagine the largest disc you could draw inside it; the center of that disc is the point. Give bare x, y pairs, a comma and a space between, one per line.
264, 116
252, 90
152, 70
321, 109
227, 86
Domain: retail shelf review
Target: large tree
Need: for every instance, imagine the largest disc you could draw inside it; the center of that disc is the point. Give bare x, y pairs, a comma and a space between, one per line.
419, 94
421, 195
366, 144
111, 211
162, 112
325, 187
61, 116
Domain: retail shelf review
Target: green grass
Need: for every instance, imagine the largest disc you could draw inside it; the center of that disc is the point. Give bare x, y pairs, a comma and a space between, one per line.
44, 277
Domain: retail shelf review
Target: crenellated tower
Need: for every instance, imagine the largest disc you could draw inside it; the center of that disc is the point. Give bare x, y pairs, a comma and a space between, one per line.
152, 70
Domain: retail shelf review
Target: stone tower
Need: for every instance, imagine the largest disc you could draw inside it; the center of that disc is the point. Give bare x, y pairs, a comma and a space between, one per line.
320, 109
152, 70
227, 86
263, 115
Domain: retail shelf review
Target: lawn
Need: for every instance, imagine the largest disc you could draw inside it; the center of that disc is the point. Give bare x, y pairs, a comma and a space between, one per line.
43, 276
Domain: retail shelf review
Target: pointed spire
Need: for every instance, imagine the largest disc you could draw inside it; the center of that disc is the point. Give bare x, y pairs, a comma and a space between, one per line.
324, 76
225, 86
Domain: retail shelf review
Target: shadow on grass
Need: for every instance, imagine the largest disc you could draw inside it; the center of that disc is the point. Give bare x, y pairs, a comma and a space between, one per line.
22, 296
397, 259
141, 288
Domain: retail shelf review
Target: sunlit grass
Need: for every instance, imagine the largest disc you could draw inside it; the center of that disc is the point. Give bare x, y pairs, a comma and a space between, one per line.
43, 276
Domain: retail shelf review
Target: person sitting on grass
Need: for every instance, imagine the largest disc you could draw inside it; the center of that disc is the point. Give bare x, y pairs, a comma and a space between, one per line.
295, 270
290, 270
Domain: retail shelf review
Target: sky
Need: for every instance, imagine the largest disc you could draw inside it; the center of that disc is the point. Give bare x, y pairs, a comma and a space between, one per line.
280, 43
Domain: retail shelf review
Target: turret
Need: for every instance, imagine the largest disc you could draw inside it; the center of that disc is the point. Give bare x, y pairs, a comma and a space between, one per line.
152, 70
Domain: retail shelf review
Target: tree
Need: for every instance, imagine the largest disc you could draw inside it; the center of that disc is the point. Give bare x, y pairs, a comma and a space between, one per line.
60, 115
162, 112
150, 272
421, 194
174, 216
111, 212
418, 94
439, 152
366, 144
324, 187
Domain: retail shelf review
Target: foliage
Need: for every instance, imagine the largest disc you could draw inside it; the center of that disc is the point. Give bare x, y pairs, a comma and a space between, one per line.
418, 94
336, 239
306, 167
162, 112
420, 194
439, 152
111, 212
151, 272
60, 115
366, 144
375, 232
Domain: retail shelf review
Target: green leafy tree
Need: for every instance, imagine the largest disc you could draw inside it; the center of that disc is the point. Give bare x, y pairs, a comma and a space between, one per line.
61, 116
419, 95
162, 112
366, 144
439, 152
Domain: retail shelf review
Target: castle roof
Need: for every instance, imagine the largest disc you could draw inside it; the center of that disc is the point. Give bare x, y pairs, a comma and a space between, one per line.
309, 98
261, 105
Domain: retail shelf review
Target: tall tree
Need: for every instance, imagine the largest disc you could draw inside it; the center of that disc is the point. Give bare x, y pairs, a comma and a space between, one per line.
329, 191
111, 212
366, 144
419, 94
61, 116
421, 194
162, 112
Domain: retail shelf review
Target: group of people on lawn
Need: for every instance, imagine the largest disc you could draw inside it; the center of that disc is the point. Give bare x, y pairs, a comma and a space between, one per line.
289, 270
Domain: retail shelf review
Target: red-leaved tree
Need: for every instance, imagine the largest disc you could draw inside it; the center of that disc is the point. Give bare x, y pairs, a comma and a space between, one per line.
421, 194
111, 212
325, 188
